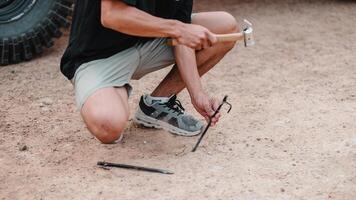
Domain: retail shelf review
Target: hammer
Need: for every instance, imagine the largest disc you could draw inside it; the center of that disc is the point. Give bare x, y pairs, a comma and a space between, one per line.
246, 35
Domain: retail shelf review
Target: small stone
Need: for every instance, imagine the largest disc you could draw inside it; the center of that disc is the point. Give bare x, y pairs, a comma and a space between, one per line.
44, 109
283, 190
23, 148
258, 139
144, 142
47, 101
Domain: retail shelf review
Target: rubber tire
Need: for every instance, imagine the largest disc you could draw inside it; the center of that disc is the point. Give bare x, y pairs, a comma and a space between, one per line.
23, 39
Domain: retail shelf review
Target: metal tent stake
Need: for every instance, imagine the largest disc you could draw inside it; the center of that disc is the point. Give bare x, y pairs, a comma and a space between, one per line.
209, 123
106, 165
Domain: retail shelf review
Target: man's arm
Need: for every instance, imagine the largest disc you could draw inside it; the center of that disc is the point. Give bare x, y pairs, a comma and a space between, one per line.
123, 18
187, 65
186, 62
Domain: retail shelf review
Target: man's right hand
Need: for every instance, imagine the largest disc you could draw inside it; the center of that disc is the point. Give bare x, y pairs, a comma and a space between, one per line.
196, 37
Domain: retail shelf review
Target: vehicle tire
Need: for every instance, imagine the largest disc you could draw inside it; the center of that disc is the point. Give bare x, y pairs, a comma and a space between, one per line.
26, 26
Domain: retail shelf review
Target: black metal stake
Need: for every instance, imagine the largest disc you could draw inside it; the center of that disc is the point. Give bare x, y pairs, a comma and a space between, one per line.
133, 167
209, 123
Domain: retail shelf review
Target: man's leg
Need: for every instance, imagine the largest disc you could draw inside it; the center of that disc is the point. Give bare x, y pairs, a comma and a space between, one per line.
216, 22
106, 112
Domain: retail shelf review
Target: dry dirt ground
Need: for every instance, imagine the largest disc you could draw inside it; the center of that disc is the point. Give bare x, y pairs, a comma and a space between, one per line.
291, 133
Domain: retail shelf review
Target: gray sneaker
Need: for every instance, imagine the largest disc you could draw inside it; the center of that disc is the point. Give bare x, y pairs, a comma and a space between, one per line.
169, 116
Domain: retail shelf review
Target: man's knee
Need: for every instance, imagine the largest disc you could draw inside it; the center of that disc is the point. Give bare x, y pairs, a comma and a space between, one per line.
107, 128
229, 25
218, 22
229, 22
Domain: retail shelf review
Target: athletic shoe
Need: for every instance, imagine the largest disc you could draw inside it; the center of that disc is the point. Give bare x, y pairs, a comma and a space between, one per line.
168, 115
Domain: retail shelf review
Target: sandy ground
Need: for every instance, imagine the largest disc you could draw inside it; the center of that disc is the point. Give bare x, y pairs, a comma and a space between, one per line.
291, 133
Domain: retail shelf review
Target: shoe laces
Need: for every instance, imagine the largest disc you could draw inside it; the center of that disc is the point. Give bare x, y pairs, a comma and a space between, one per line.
175, 105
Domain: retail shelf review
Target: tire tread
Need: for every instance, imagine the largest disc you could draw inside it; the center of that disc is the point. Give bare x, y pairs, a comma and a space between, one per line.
27, 45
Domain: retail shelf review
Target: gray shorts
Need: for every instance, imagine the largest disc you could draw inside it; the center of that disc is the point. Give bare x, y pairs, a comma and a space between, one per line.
119, 69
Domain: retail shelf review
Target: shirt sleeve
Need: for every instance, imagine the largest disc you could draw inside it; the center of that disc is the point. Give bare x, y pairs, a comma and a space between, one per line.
184, 11
130, 2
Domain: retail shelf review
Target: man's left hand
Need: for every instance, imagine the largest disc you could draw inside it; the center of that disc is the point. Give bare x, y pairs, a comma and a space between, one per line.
206, 106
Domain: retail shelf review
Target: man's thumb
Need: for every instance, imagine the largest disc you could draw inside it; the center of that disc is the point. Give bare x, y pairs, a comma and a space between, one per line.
209, 110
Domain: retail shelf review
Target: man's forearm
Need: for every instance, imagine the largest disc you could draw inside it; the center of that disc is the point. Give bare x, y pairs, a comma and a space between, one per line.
126, 19
187, 65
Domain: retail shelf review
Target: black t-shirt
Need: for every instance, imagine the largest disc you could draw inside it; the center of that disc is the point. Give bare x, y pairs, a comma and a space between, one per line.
89, 40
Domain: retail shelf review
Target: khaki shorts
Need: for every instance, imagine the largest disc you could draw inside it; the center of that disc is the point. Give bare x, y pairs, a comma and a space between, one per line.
119, 69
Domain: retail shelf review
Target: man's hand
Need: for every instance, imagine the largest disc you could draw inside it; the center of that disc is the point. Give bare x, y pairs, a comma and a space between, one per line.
196, 37
206, 106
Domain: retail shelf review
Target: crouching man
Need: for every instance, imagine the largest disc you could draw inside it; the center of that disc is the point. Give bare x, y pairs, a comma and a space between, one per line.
114, 41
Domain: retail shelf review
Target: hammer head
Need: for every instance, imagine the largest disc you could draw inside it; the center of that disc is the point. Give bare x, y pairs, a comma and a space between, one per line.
248, 33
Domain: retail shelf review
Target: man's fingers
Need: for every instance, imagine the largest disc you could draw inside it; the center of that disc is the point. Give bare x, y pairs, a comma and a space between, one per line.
208, 109
212, 38
215, 106
214, 121
206, 42
207, 117
198, 47
192, 45
216, 118
216, 103
206, 45
204, 114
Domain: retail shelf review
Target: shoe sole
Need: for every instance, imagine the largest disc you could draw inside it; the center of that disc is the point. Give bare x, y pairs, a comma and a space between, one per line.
150, 122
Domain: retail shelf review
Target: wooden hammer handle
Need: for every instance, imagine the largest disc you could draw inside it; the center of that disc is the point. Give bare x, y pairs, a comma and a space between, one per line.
232, 37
